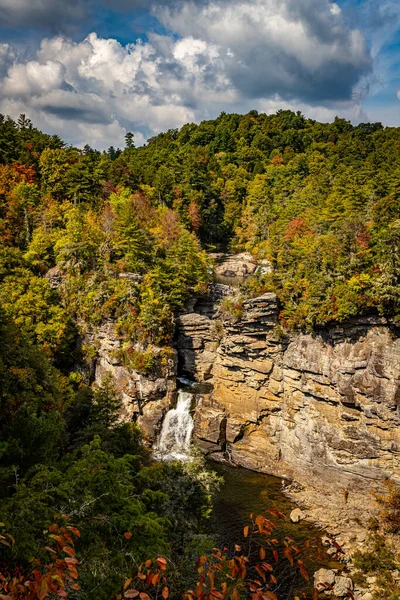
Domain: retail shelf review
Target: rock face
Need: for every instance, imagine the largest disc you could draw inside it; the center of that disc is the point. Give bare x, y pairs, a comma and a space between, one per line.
332, 584
234, 265
146, 398
320, 408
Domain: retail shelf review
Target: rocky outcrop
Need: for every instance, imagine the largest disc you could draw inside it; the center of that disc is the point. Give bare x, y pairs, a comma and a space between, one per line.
234, 265
146, 397
320, 408
196, 345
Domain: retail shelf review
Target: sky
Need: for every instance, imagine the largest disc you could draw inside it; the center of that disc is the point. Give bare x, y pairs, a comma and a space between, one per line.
91, 70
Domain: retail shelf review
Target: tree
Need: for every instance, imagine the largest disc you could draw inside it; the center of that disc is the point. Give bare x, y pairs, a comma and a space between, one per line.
129, 141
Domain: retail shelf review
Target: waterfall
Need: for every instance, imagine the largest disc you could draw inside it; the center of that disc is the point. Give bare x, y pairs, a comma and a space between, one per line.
176, 432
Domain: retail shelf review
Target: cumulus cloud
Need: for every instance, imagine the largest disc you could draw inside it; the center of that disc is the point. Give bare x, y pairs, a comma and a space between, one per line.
300, 48
216, 55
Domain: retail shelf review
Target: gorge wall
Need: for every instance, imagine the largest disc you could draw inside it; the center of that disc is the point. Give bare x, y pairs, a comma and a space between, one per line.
317, 408
314, 408
146, 396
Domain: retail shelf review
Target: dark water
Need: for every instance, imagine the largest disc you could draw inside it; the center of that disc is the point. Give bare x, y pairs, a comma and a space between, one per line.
246, 492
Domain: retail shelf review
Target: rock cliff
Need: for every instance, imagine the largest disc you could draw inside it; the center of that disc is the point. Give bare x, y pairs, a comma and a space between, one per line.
146, 397
321, 407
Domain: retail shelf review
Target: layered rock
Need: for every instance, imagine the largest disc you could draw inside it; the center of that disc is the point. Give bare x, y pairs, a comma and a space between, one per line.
320, 408
145, 397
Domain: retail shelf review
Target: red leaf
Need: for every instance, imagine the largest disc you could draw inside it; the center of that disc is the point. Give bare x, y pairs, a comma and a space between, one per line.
75, 531
69, 550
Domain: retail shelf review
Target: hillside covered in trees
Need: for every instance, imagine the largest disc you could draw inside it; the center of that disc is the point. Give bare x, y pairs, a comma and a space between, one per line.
123, 235
320, 201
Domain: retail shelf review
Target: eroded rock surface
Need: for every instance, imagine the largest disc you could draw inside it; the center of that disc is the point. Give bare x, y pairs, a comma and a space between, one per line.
146, 397
322, 406
234, 265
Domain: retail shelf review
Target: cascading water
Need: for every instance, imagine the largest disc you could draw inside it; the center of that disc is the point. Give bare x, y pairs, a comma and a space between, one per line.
176, 432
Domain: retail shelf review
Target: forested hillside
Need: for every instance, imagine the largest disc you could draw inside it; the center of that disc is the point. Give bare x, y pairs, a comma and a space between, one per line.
320, 201
123, 235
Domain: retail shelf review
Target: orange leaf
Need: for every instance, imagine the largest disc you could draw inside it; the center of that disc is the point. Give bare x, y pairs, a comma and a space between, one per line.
270, 596
69, 550
75, 531
128, 535
127, 583
162, 562
304, 573
235, 594
144, 596
165, 593
260, 572
263, 553
131, 594
246, 531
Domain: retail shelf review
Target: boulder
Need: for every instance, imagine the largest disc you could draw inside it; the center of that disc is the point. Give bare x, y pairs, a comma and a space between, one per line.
343, 585
296, 515
324, 579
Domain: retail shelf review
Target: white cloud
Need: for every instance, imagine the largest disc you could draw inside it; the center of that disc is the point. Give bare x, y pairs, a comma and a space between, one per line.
294, 47
33, 78
219, 56
7, 57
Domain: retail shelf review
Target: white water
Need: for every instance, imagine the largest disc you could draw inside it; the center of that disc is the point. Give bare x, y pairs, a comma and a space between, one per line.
176, 432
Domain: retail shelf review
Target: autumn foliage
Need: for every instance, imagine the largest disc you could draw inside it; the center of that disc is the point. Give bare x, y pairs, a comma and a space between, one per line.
56, 577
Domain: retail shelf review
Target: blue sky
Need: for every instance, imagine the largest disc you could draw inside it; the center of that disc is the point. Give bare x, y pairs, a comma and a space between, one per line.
92, 70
